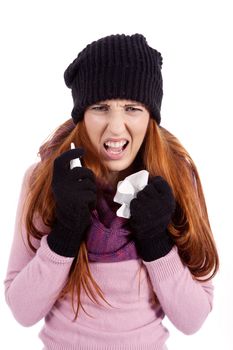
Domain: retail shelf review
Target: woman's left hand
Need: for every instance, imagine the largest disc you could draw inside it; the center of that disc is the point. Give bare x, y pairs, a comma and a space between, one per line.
151, 212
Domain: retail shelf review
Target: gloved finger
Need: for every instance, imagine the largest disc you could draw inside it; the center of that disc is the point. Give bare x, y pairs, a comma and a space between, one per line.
86, 185
133, 206
161, 185
62, 162
156, 180
90, 199
82, 173
148, 190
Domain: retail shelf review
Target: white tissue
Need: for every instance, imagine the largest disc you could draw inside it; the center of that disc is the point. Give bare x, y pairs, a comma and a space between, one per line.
127, 190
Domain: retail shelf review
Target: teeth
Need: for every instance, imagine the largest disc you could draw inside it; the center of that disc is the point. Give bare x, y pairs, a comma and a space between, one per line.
115, 144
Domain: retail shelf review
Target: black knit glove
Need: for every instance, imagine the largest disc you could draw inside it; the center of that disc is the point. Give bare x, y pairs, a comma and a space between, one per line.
151, 212
74, 192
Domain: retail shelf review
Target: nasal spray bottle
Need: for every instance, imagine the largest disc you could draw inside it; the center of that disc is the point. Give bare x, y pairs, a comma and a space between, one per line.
74, 162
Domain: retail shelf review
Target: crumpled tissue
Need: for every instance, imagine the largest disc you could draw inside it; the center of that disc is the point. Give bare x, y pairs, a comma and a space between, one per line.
128, 189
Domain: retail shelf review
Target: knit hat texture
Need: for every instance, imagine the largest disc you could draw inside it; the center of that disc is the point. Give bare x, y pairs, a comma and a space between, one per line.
116, 66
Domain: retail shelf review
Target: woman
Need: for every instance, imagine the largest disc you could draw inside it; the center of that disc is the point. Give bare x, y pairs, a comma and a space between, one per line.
102, 281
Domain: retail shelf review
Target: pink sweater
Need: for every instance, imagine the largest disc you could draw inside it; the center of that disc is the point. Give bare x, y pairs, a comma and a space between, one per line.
133, 322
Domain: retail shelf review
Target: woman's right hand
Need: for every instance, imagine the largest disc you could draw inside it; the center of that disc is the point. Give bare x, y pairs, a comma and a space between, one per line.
74, 192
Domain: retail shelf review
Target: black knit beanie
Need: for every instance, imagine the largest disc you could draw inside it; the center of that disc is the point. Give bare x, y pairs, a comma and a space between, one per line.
116, 66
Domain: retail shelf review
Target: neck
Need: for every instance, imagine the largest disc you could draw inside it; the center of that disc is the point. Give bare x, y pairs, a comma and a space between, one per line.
115, 176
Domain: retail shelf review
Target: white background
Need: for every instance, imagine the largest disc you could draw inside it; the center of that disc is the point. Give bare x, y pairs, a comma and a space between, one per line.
38, 41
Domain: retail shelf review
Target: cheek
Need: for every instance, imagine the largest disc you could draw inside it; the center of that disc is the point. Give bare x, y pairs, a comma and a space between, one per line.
94, 138
140, 127
94, 128
140, 133
138, 140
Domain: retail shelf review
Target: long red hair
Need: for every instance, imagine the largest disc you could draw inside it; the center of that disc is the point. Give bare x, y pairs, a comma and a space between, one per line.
161, 154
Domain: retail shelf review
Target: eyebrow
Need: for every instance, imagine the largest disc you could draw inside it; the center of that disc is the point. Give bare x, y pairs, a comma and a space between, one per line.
126, 105
134, 104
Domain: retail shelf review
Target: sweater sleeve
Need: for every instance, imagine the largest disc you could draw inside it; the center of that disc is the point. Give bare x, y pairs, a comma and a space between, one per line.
185, 301
33, 280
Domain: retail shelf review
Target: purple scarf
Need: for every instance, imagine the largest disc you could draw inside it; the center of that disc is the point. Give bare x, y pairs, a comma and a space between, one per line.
109, 237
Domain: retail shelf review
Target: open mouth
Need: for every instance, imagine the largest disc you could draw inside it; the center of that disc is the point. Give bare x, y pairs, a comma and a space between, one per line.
116, 147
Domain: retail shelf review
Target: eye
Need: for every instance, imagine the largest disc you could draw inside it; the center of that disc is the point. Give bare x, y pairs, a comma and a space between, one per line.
132, 109
100, 108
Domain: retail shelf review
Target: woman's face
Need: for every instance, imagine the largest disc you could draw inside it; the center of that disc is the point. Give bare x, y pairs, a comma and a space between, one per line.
116, 129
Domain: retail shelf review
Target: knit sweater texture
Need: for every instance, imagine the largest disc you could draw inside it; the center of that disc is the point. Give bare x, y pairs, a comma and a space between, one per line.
132, 322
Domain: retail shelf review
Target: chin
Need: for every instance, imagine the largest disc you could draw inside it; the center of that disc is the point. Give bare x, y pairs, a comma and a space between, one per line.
121, 166
117, 165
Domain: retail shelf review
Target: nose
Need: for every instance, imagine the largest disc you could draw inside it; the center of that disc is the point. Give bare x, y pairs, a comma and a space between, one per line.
116, 122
